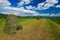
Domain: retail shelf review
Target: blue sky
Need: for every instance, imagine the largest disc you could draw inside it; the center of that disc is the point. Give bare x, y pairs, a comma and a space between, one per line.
30, 7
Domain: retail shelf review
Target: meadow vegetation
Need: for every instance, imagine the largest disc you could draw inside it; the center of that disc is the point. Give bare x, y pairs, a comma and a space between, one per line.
34, 28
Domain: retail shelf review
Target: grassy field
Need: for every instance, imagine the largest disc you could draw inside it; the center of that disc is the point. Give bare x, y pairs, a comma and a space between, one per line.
57, 20
33, 29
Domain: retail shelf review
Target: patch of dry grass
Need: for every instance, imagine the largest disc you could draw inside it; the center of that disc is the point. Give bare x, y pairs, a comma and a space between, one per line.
32, 30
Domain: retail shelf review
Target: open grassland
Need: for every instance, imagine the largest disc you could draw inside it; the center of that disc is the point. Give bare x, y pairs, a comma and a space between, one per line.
57, 20
33, 29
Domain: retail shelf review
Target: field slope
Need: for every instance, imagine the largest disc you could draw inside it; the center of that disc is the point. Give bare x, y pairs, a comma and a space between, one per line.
43, 29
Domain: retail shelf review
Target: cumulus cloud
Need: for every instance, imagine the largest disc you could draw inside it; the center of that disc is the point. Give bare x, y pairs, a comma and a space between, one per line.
33, 13
14, 10
44, 5
4, 3
44, 14
24, 2
31, 7
58, 6
20, 11
50, 15
55, 15
47, 4
23, 12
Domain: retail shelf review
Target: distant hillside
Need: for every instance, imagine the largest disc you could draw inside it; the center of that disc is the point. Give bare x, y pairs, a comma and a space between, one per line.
3, 15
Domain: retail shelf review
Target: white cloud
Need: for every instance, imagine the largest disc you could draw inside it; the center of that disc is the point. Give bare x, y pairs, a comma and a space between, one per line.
4, 3
58, 6
52, 1
55, 15
47, 4
12, 10
44, 5
31, 7
23, 12
41, 6
21, 3
30, 13
24, 2
50, 15
20, 11
43, 14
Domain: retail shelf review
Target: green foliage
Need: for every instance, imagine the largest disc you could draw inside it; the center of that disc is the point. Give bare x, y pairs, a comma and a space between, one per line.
3, 16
